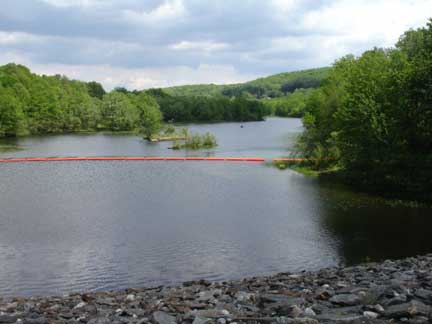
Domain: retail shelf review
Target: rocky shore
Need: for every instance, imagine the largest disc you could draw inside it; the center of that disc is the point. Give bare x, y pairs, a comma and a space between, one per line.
387, 292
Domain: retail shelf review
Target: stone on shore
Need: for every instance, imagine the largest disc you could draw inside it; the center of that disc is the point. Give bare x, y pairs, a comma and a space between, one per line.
374, 293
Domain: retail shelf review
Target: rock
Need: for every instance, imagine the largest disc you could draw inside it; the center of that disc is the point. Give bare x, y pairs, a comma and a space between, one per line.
351, 295
204, 296
274, 298
309, 312
40, 320
374, 294
424, 294
211, 313
410, 309
163, 318
7, 319
345, 299
325, 292
419, 320
304, 320
99, 321
399, 299
199, 320
80, 305
242, 296
378, 308
66, 315
289, 310
130, 297
9, 307
320, 308
334, 318
105, 301
369, 314
202, 282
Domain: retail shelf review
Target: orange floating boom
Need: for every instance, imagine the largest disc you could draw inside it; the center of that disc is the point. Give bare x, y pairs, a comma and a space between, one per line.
129, 158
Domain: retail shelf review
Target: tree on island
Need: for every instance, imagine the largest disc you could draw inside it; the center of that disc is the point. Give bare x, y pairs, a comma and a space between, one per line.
150, 116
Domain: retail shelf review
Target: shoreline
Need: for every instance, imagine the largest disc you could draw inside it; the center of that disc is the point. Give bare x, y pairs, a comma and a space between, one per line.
387, 292
334, 176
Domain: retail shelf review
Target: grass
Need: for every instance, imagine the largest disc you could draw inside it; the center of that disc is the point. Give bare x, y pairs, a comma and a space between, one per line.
172, 137
304, 168
196, 142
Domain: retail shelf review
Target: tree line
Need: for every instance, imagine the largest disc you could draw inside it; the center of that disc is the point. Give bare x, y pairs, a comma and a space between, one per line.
33, 104
291, 105
371, 120
208, 109
274, 86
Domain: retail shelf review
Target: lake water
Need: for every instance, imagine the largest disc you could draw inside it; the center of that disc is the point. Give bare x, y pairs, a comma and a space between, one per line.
73, 226
272, 138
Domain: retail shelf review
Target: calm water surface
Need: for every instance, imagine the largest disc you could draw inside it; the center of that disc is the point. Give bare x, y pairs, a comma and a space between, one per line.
272, 138
71, 226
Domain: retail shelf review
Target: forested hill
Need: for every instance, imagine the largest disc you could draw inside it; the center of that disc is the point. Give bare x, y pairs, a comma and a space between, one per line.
273, 86
34, 104
283, 94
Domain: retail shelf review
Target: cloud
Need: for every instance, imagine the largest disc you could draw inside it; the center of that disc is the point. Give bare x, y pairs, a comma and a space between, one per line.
135, 78
199, 46
15, 38
364, 20
138, 43
73, 3
168, 12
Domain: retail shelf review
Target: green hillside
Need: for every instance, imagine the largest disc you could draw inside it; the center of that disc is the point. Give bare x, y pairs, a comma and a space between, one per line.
273, 86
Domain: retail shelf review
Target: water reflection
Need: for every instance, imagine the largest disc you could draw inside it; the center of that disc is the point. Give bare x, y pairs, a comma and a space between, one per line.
370, 228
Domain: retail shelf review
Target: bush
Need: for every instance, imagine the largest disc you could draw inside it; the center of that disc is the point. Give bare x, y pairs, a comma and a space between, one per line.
196, 142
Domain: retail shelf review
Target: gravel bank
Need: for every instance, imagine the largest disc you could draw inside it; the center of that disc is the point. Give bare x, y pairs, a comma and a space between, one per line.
387, 292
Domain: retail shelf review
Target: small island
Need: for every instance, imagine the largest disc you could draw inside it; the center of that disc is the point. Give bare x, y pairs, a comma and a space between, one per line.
183, 139
169, 133
196, 142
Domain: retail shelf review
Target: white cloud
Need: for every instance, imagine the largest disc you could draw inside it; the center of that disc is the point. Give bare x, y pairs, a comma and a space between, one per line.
74, 3
380, 20
13, 38
146, 43
199, 46
284, 5
166, 12
130, 78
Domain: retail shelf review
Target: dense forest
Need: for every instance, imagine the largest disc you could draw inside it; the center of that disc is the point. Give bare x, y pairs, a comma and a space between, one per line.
291, 105
204, 109
274, 86
283, 95
371, 120
33, 104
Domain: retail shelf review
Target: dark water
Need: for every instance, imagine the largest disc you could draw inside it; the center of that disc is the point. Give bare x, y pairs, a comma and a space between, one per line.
71, 226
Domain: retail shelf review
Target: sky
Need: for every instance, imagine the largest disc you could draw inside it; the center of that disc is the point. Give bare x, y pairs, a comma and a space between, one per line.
141, 44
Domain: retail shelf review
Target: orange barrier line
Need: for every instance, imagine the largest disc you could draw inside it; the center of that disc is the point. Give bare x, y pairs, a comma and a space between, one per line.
129, 158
